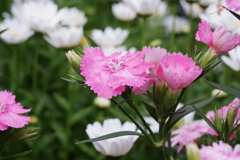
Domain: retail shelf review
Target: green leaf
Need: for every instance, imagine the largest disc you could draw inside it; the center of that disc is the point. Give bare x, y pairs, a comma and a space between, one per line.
113, 135
151, 110
186, 110
225, 89
206, 120
16, 155
1, 31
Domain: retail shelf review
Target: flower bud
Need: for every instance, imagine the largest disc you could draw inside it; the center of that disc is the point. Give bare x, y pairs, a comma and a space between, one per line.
74, 60
192, 151
102, 102
232, 112
207, 59
220, 93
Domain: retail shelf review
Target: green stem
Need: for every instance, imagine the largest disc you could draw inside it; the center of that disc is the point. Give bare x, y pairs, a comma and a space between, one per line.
131, 118
14, 70
144, 31
35, 71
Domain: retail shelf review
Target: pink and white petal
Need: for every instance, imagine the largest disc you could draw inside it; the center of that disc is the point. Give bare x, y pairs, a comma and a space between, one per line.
16, 108
204, 33
144, 88
14, 120
223, 40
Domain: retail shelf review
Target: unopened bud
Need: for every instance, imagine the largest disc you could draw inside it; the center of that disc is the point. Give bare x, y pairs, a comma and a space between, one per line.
102, 102
219, 92
74, 60
232, 112
192, 151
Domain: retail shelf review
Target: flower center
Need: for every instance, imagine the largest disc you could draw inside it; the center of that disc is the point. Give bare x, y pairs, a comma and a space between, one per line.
2, 107
114, 67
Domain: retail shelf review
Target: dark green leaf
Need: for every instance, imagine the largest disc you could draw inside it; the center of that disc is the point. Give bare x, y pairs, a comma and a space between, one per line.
186, 110
151, 110
113, 135
225, 89
3, 31
16, 155
206, 120
233, 13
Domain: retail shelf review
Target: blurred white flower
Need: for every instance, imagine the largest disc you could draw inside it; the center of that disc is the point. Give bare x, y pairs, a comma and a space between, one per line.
64, 37
16, 32
115, 146
102, 102
109, 50
189, 117
177, 24
225, 19
233, 61
143, 7
192, 9
153, 124
219, 92
39, 15
207, 2
162, 9
71, 17
123, 12
109, 37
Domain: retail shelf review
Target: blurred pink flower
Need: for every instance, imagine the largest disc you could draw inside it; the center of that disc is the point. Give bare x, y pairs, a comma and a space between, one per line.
107, 76
220, 151
9, 112
188, 133
152, 55
220, 40
178, 70
233, 4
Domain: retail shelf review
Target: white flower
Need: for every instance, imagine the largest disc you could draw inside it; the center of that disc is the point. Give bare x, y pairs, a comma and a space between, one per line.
162, 9
123, 12
109, 50
39, 15
153, 124
193, 9
178, 24
207, 2
64, 37
225, 19
143, 7
233, 61
109, 37
102, 102
117, 146
71, 17
16, 32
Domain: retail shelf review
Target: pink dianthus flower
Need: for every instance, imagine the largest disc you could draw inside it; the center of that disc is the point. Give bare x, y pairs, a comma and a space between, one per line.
178, 70
9, 112
233, 4
220, 151
188, 133
220, 40
152, 55
108, 76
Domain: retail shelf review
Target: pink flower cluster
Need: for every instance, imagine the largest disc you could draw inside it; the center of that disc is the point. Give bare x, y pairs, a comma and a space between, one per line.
220, 41
9, 112
220, 151
108, 76
233, 4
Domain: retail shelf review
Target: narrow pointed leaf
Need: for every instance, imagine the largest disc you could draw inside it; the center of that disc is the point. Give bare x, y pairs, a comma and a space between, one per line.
225, 89
112, 135
188, 109
206, 120
16, 155
151, 110
233, 13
